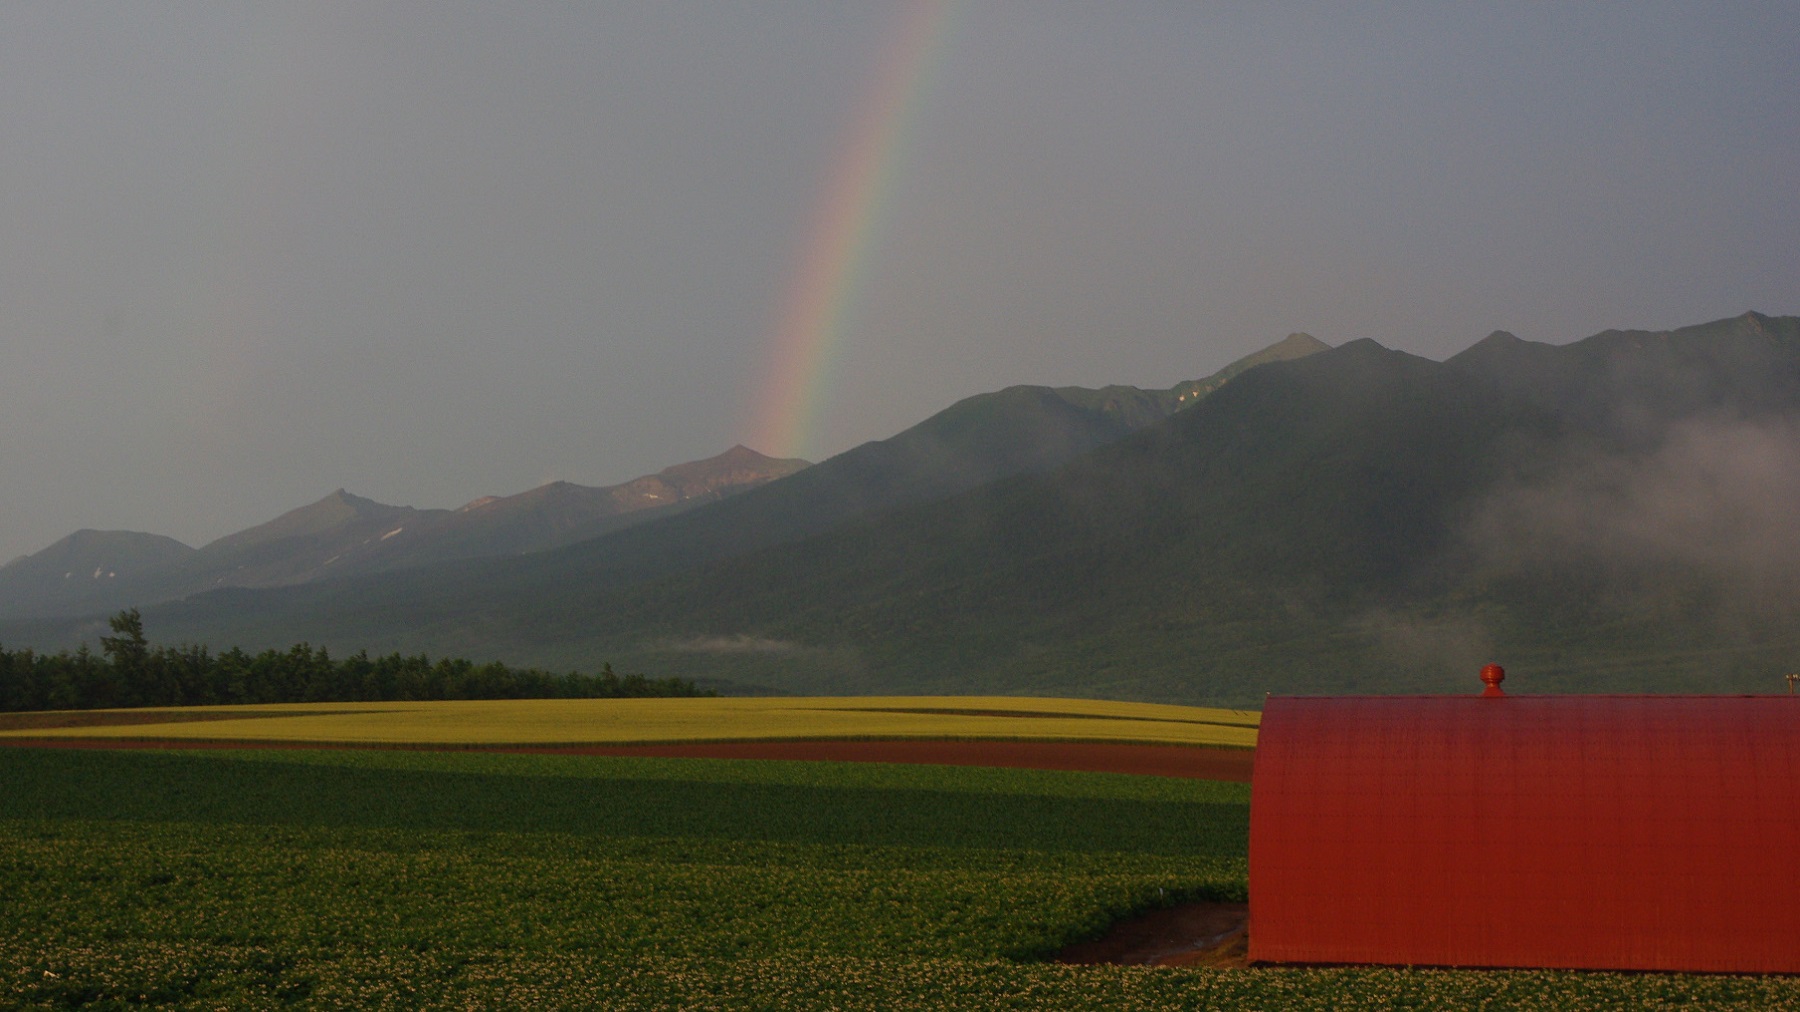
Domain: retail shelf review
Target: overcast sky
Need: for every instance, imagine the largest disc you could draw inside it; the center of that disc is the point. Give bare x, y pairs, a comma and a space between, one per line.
253, 252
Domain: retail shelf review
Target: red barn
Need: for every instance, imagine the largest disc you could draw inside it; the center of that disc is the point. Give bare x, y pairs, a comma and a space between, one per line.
1597, 832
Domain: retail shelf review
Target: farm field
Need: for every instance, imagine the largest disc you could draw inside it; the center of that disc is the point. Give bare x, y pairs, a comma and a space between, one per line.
650, 721
349, 878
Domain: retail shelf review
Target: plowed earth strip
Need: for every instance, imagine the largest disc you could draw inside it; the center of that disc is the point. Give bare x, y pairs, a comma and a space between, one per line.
1194, 934
1187, 761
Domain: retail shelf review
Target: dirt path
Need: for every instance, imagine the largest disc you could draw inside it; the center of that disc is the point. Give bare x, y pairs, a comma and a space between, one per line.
1193, 934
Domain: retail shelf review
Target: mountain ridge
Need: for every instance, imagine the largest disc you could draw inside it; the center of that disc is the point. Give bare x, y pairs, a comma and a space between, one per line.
1314, 525
343, 534
975, 440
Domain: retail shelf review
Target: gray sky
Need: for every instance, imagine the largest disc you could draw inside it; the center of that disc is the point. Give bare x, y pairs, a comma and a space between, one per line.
429, 251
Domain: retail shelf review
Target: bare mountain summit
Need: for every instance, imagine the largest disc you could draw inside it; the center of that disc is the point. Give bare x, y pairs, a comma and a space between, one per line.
562, 513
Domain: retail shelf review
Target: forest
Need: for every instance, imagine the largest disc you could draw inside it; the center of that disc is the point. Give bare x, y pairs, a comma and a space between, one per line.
129, 672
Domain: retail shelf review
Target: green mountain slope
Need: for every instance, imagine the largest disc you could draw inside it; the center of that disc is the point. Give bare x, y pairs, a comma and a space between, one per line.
1621, 513
1322, 525
1198, 559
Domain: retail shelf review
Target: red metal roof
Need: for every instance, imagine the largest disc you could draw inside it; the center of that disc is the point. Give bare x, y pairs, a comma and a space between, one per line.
1601, 832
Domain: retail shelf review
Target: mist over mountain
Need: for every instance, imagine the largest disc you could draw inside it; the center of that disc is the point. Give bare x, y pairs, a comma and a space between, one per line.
1614, 514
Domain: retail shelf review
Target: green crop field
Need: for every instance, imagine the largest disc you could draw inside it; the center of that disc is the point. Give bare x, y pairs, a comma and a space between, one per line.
398, 879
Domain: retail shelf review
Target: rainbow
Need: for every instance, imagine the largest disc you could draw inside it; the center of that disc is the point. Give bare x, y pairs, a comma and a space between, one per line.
845, 223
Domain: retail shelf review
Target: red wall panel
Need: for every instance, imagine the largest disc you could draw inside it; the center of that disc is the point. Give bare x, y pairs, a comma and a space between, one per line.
1602, 832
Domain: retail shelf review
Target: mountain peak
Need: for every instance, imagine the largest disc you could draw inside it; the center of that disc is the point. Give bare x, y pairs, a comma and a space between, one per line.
1755, 322
1501, 352
739, 465
355, 502
1300, 342
738, 456
1294, 346
338, 510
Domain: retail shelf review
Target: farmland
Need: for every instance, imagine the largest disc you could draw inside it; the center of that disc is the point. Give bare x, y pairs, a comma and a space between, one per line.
633, 721
356, 878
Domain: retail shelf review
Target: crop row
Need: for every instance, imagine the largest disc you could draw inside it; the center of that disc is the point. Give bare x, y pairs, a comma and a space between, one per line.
205, 975
399, 880
931, 807
598, 721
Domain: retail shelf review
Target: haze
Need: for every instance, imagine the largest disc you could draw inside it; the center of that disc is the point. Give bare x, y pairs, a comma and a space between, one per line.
252, 253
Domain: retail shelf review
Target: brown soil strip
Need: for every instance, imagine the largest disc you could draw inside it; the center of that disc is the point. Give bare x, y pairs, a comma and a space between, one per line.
1042, 714
1192, 762
94, 718
1193, 934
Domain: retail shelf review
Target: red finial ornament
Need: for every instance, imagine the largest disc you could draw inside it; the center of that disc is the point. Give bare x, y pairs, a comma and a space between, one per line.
1492, 676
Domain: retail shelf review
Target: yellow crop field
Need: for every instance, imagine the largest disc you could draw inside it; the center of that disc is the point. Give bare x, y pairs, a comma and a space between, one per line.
654, 721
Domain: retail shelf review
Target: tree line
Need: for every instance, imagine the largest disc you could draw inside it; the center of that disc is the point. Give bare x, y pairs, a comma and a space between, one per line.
130, 672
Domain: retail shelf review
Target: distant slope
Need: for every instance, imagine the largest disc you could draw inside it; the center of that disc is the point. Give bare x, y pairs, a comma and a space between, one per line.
295, 547
562, 513
1358, 520
82, 565
1323, 525
302, 544
344, 534
975, 441
1212, 556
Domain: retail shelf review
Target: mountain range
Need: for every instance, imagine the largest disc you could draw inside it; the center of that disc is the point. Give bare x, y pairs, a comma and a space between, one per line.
344, 535
1619, 513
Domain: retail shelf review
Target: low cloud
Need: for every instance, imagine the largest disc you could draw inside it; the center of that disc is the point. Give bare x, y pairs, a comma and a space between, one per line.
1457, 646
733, 645
1718, 497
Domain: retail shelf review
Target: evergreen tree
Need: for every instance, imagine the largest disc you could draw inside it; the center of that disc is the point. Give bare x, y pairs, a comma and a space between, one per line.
128, 650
